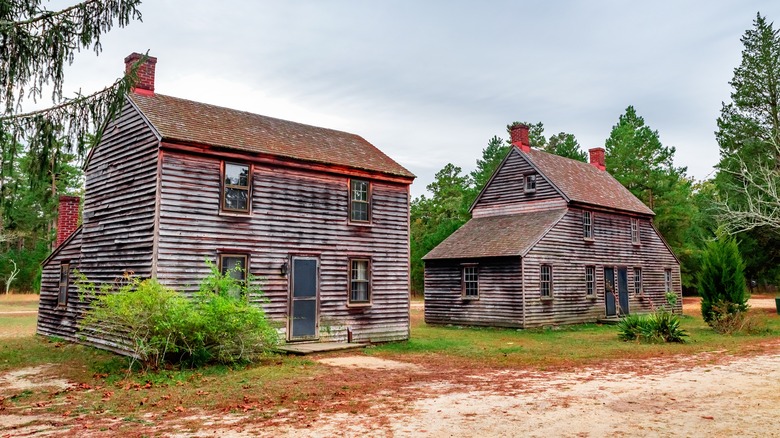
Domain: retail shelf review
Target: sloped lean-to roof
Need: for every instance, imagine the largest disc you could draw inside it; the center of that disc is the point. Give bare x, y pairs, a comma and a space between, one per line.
497, 236
184, 121
584, 183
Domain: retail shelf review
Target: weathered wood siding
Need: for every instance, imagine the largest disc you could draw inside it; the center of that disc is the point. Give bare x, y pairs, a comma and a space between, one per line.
568, 253
54, 321
117, 223
119, 201
505, 193
293, 212
500, 294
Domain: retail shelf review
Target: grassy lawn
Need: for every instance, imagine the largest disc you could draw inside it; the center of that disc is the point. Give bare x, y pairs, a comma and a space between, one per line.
559, 347
106, 397
18, 302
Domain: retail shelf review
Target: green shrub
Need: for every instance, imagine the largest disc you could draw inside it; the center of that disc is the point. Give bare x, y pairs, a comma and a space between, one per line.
659, 326
159, 325
727, 321
630, 328
721, 280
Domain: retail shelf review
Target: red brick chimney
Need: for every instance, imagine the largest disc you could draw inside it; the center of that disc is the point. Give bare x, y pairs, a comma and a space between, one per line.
68, 218
145, 84
519, 136
597, 158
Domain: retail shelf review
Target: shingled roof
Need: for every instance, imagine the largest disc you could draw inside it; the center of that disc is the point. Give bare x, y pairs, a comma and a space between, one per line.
185, 121
497, 236
584, 183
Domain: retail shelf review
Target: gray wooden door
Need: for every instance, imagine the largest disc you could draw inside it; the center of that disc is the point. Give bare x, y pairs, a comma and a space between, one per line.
609, 287
304, 291
623, 290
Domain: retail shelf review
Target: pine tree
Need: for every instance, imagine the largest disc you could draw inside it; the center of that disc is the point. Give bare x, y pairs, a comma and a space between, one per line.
721, 280
565, 145
749, 135
37, 44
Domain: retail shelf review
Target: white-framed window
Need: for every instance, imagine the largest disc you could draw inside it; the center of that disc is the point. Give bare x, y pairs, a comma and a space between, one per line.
637, 280
359, 281
668, 280
530, 183
590, 280
545, 281
359, 201
236, 187
587, 225
470, 281
635, 231
64, 284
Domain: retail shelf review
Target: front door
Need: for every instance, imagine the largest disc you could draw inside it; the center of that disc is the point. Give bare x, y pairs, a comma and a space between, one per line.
304, 290
609, 288
623, 290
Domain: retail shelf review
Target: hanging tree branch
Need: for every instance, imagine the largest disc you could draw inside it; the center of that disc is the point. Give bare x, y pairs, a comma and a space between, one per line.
35, 46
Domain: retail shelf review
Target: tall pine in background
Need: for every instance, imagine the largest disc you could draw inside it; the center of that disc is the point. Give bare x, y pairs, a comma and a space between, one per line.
636, 157
748, 178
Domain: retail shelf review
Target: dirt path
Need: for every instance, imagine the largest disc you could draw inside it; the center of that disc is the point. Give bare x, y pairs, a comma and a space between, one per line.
730, 397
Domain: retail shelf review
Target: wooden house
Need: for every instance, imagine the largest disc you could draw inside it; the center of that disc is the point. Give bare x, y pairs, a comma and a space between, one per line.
320, 217
551, 241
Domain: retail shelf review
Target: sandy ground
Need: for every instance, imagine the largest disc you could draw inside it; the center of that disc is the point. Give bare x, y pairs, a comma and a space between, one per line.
711, 394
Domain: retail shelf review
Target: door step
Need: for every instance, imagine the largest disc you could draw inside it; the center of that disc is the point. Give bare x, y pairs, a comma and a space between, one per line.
609, 320
318, 347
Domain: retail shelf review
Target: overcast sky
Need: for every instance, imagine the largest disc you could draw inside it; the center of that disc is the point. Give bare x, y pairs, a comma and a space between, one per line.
429, 82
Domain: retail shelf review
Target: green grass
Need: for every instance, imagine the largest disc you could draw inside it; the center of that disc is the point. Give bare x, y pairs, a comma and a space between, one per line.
562, 346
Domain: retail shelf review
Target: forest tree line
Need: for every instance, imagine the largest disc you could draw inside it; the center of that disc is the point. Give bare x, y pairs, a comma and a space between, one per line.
743, 197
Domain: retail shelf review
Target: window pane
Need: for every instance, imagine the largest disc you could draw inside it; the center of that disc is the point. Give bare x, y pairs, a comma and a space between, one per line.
359, 282
359, 211
236, 199
359, 190
235, 267
236, 175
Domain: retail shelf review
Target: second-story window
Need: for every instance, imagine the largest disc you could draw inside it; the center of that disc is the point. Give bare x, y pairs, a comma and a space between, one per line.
635, 231
359, 201
236, 187
587, 225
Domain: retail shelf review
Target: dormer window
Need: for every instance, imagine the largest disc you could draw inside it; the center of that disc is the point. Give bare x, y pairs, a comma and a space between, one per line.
587, 225
530, 183
236, 183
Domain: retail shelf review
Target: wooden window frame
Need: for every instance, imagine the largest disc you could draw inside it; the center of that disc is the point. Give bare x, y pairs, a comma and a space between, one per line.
590, 281
668, 280
465, 282
221, 266
62, 298
637, 281
369, 289
224, 188
353, 201
587, 225
635, 235
529, 178
546, 283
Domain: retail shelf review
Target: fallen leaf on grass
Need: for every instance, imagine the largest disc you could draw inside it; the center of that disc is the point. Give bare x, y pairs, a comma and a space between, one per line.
707, 417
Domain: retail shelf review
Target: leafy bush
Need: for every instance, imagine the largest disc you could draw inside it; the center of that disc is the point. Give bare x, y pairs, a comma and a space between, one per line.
721, 280
159, 325
659, 326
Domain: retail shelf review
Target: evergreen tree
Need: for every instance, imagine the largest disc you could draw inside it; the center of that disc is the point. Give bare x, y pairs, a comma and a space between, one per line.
748, 178
565, 145
636, 158
721, 279
37, 44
